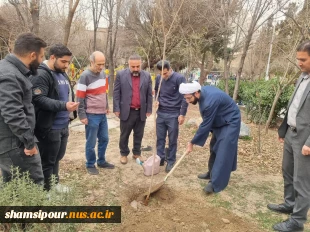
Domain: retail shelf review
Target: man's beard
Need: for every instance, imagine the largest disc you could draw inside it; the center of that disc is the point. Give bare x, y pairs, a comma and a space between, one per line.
135, 73
33, 67
57, 69
195, 100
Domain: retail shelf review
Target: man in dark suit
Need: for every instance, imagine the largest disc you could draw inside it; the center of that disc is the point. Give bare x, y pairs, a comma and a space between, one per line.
132, 103
295, 133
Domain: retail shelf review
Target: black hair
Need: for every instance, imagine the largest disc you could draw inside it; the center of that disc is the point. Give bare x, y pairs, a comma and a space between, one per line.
27, 43
304, 47
59, 50
166, 65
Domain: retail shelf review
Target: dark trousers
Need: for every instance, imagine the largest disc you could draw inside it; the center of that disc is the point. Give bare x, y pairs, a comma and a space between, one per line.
212, 153
17, 158
225, 148
132, 123
296, 174
166, 122
52, 149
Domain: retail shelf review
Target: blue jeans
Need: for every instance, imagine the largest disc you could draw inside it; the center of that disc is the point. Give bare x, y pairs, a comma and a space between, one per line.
167, 122
97, 128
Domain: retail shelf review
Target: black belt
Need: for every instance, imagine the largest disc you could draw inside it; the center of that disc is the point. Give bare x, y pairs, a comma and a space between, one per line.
293, 128
134, 108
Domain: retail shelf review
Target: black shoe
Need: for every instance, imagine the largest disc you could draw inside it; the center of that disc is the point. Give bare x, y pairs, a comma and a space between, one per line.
209, 188
169, 167
106, 165
162, 162
92, 171
281, 208
204, 176
288, 226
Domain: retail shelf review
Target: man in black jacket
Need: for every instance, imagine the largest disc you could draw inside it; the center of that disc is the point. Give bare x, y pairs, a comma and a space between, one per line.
17, 115
53, 99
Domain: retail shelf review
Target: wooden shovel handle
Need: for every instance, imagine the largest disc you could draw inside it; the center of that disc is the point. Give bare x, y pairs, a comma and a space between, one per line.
175, 166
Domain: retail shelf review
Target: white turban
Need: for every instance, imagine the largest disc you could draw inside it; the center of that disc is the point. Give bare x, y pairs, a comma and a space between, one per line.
189, 88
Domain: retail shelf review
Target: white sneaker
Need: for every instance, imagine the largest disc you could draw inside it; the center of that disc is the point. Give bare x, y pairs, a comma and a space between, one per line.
62, 188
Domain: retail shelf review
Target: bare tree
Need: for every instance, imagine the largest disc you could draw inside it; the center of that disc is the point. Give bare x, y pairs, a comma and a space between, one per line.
261, 9
166, 31
112, 10
28, 13
71, 11
97, 7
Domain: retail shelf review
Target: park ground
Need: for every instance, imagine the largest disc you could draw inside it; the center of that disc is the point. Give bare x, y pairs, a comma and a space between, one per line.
181, 204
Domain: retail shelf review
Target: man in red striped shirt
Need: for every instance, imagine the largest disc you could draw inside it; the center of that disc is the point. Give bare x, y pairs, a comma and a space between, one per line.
92, 96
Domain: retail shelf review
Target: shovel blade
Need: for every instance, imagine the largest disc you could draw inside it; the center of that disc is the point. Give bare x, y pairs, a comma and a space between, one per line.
154, 189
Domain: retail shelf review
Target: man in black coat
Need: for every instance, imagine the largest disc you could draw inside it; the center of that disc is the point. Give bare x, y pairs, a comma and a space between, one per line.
17, 116
53, 99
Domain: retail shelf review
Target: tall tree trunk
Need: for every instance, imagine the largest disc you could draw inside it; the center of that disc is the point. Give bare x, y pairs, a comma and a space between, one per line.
95, 39
97, 13
107, 44
226, 75
19, 13
240, 66
113, 27
226, 70
225, 43
256, 15
306, 5
111, 54
202, 68
111, 77
72, 9
35, 16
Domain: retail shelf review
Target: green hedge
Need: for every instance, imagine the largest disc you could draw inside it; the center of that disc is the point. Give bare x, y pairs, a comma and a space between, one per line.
260, 92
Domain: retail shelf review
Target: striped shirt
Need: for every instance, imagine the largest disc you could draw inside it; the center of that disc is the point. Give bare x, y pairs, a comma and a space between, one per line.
92, 94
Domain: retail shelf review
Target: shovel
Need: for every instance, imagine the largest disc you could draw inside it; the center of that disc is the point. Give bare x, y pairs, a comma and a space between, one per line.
145, 196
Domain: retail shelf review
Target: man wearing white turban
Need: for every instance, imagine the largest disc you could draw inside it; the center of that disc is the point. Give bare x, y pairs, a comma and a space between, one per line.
220, 115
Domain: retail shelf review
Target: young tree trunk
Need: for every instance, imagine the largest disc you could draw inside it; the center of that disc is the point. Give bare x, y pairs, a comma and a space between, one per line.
275, 101
276, 98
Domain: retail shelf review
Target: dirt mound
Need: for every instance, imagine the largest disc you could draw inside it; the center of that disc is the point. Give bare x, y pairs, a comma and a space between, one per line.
173, 210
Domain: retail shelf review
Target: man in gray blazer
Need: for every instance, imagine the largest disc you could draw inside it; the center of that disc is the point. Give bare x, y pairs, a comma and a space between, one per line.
132, 103
295, 133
